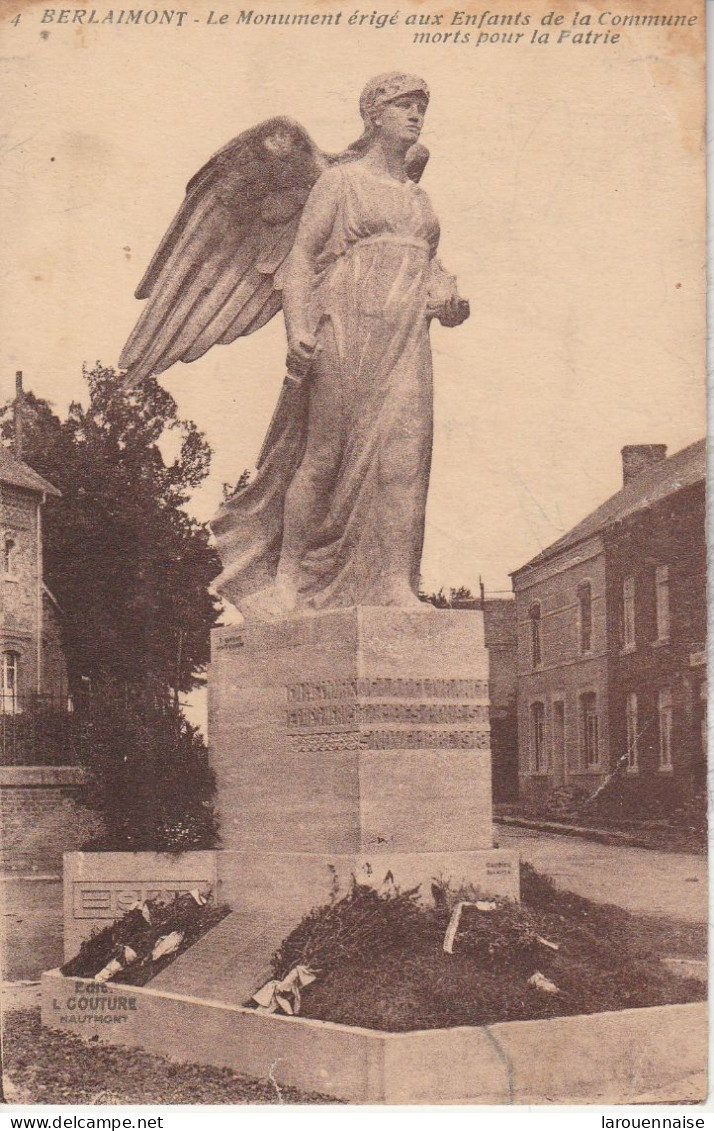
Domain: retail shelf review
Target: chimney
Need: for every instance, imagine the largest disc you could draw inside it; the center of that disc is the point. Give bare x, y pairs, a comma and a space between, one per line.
637, 458
17, 416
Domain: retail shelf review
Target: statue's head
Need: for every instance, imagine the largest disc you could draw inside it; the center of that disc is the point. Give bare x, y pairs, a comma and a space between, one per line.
383, 89
378, 94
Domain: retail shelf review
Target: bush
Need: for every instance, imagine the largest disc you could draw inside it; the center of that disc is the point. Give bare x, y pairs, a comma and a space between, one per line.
507, 936
140, 931
350, 929
381, 964
40, 731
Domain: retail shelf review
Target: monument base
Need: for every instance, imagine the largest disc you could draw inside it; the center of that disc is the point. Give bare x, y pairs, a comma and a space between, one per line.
350, 743
357, 731
298, 881
353, 743
272, 892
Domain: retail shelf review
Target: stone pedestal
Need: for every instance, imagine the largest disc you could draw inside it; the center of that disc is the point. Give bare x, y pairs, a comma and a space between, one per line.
356, 740
353, 742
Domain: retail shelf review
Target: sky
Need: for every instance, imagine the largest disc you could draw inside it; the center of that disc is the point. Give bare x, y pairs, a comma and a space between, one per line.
568, 182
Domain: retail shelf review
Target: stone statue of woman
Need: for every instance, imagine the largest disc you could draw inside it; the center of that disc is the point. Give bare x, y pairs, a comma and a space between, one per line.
346, 245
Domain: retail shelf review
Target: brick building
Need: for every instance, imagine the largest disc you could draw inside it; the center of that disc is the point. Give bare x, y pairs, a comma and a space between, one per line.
32, 660
42, 813
611, 628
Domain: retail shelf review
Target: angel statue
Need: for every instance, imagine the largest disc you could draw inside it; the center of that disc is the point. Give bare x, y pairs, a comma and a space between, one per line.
346, 245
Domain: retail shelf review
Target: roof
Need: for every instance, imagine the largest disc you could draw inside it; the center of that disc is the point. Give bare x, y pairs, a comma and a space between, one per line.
650, 487
16, 473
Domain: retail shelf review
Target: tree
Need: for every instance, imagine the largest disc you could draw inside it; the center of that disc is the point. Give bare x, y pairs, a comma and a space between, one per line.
130, 570
127, 564
455, 598
149, 773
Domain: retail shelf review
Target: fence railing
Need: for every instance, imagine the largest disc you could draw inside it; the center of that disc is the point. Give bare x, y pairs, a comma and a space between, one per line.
42, 730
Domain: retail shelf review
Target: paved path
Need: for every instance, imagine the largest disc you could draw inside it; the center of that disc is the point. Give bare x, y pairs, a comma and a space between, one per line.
669, 884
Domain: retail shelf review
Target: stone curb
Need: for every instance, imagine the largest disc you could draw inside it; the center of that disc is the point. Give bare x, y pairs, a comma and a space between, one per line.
16, 777
601, 836
687, 968
596, 1058
32, 878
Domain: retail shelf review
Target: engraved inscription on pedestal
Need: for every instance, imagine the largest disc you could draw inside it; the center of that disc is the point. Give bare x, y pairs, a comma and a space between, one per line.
230, 643
387, 714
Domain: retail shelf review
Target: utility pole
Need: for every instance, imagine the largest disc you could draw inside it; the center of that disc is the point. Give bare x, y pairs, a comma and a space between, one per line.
17, 417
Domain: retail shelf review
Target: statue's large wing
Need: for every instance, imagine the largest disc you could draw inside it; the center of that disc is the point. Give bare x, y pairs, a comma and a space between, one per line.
216, 273
213, 277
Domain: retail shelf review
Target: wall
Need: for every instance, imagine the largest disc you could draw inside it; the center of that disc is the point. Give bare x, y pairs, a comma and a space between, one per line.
42, 817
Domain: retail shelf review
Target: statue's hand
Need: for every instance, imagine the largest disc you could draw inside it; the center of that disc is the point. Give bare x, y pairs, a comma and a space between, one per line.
301, 351
451, 312
443, 301
456, 310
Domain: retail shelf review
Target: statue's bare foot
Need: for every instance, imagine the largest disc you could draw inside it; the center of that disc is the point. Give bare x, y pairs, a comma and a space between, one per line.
275, 602
402, 597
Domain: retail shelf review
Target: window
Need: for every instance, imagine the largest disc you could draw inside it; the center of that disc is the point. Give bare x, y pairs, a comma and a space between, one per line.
536, 644
9, 555
628, 613
585, 615
539, 756
662, 597
632, 737
664, 709
10, 673
558, 743
589, 731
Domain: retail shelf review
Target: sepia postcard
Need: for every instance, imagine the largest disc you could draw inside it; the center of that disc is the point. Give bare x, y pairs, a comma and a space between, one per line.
353, 729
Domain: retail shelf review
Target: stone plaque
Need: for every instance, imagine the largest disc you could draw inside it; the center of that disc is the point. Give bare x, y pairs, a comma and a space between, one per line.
111, 899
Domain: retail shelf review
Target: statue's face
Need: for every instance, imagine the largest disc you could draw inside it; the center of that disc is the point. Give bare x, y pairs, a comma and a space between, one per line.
401, 121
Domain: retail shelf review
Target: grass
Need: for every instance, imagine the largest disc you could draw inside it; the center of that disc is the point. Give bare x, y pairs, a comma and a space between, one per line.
607, 960
48, 1066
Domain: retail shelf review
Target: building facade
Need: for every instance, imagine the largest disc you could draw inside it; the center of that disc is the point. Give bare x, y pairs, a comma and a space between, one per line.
657, 630
33, 664
563, 733
611, 628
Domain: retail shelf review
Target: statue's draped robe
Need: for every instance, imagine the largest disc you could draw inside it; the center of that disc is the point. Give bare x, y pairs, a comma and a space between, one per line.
365, 414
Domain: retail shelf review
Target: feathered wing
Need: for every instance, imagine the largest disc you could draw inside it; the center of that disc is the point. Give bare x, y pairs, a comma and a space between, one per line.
215, 275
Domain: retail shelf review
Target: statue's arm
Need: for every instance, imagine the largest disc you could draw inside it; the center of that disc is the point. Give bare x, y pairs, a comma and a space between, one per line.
443, 300
313, 233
